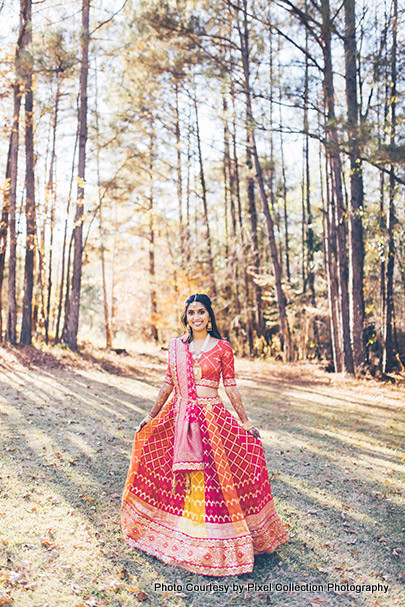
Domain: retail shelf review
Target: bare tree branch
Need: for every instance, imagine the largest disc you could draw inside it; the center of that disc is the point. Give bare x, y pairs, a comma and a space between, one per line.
100, 25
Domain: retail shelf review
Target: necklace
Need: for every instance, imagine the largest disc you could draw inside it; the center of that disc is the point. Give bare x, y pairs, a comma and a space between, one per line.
197, 371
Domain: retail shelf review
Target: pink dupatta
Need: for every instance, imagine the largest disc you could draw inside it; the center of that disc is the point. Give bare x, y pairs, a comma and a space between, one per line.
188, 450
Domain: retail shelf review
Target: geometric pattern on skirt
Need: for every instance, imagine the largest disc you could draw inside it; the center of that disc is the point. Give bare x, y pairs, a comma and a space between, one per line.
225, 517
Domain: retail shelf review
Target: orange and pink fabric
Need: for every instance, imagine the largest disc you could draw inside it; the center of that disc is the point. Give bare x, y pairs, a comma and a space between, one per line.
198, 494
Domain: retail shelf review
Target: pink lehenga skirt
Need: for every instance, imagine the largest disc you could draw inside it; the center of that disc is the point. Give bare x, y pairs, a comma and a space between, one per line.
210, 521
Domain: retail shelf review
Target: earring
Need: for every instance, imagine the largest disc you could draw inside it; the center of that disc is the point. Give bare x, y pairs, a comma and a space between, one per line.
209, 326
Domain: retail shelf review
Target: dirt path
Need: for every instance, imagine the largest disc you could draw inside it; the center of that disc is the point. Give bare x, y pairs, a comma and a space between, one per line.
333, 452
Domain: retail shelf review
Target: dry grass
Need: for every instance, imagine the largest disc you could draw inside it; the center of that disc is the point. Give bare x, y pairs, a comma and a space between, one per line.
333, 447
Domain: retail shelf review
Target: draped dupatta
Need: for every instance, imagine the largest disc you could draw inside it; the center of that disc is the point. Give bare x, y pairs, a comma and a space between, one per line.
188, 449
208, 511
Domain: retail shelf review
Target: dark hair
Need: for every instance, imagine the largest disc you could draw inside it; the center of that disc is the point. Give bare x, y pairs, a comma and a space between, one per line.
206, 302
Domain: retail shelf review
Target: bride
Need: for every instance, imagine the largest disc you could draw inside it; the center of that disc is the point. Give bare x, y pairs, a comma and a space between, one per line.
197, 494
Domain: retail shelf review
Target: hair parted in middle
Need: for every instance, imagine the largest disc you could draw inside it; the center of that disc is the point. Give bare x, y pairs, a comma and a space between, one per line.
206, 302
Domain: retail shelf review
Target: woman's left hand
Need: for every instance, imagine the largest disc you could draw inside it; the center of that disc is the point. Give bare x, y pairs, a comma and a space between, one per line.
254, 432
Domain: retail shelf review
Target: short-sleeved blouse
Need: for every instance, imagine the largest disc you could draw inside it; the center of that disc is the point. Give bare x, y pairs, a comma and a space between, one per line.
218, 361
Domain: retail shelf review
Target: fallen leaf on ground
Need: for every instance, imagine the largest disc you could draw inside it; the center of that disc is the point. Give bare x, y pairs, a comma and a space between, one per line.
47, 543
17, 577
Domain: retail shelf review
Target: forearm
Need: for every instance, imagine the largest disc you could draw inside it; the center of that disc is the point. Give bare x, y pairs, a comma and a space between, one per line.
234, 396
162, 397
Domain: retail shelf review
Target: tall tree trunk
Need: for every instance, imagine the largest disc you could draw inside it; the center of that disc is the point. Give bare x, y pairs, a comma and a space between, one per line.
188, 192
11, 329
325, 246
258, 320
356, 250
227, 257
107, 327
3, 234
41, 256
234, 241
388, 348
382, 215
26, 326
67, 290
304, 225
337, 194
74, 298
305, 177
183, 234
152, 263
254, 242
108, 335
40, 309
285, 335
52, 194
244, 256
285, 210
61, 299
309, 233
331, 268
209, 258
113, 303
283, 184
173, 258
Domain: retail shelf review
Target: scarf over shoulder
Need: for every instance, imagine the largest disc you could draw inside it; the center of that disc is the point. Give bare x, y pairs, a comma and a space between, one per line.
188, 450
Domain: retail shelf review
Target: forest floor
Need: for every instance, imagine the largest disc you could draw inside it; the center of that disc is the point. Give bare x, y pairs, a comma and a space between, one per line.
334, 457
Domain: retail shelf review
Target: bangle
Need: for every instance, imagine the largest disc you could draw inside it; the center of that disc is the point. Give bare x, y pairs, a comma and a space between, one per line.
247, 426
148, 418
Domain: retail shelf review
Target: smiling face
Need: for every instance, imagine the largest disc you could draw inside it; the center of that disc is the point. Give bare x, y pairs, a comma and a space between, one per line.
197, 316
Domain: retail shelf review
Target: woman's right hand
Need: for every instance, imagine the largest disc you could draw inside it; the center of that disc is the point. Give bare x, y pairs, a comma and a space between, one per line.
163, 395
254, 432
142, 424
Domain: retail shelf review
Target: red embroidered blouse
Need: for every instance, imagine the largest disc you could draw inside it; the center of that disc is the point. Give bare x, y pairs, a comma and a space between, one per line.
218, 360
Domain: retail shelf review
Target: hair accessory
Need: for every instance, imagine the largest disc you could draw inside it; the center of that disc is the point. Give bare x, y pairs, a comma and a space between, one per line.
200, 297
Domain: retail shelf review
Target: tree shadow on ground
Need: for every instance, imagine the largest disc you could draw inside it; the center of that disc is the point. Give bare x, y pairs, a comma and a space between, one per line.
326, 503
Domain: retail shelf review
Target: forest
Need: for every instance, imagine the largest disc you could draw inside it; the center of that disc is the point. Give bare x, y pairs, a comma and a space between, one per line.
253, 151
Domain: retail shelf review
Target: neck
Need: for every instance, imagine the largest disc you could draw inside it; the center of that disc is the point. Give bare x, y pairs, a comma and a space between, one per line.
200, 335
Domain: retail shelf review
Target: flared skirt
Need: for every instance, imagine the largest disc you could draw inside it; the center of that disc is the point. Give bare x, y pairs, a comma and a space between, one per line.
210, 521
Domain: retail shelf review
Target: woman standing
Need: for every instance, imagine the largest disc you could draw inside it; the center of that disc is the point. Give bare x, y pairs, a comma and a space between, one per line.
197, 494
